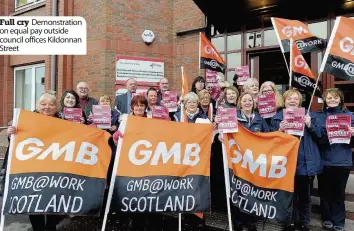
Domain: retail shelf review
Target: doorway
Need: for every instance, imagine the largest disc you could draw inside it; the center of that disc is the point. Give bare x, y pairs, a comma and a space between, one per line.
269, 65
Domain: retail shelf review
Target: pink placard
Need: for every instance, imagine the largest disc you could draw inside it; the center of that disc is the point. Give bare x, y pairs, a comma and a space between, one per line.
211, 78
169, 100
160, 112
102, 116
143, 93
338, 128
243, 74
294, 121
217, 94
267, 106
228, 118
73, 114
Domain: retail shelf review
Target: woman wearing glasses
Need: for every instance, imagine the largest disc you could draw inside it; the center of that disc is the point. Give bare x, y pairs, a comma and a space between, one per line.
268, 87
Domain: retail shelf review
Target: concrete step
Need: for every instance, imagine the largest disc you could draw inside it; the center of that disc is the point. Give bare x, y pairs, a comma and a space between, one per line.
219, 220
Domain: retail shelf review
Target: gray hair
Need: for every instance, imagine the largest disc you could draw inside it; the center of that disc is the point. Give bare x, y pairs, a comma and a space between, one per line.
190, 96
249, 82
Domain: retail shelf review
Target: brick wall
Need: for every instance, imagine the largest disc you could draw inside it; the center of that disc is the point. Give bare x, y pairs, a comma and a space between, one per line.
6, 75
187, 16
115, 28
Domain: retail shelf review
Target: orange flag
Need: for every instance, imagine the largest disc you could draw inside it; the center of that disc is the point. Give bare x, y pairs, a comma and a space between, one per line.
185, 85
286, 29
262, 167
338, 59
209, 57
301, 75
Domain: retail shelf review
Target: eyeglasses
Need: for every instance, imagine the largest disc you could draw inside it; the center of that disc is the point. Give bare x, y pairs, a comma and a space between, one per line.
83, 88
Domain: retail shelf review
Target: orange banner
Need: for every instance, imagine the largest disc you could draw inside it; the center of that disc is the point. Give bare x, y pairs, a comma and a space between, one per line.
160, 171
209, 57
47, 144
262, 169
56, 167
339, 57
154, 151
286, 29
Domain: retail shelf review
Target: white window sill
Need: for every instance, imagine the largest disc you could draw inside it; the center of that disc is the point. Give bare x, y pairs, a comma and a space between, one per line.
29, 6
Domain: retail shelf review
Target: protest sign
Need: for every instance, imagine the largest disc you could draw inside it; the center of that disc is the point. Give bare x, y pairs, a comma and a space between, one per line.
267, 106
159, 171
160, 112
243, 74
102, 116
73, 114
228, 117
169, 100
338, 129
262, 169
294, 121
211, 78
61, 170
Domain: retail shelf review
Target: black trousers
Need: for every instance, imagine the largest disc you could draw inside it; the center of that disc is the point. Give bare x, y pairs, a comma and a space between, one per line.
44, 222
302, 200
332, 183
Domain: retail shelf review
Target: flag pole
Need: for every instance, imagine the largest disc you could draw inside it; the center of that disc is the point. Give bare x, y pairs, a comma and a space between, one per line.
290, 60
200, 42
314, 91
286, 63
227, 184
179, 222
16, 116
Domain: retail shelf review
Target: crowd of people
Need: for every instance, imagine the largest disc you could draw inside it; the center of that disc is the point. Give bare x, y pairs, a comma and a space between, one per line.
331, 164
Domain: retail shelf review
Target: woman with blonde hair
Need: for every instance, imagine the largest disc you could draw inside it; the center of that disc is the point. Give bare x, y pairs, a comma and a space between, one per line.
47, 105
308, 161
268, 87
204, 104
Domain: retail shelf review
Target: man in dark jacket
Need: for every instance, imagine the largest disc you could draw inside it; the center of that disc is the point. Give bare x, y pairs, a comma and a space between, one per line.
122, 102
86, 102
164, 86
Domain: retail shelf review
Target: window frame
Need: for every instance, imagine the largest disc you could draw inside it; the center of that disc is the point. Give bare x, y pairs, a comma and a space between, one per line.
33, 82
35, 2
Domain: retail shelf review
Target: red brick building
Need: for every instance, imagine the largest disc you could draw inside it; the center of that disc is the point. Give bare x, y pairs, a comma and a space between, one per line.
240, 30
112, 29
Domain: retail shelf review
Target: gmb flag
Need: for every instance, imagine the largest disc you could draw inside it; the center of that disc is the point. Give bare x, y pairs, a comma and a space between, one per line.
209, 57
161, 171
56, 167
339, 57
262, 169
286, 29
301, 75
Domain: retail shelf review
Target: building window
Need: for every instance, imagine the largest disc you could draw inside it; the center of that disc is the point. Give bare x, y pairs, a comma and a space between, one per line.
319, 29
270, 38
20, 4
254, 39
234, 42
229, 46
233, 60
29, 85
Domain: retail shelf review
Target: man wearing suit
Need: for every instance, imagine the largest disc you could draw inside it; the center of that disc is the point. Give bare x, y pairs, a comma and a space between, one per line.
122, 101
